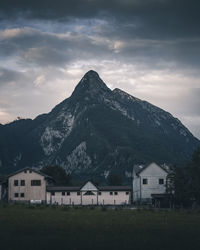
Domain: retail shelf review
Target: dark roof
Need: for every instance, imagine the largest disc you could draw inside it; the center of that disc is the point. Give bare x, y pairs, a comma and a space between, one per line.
100, 188
28, 168
61, 188
114, 188
139, 168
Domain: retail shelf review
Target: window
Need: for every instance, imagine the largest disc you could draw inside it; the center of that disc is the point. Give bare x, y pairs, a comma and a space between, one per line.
127, 193
99, 193
111, 193
16, 183
22, 195
16, 195
144, 181
30, 171
25, 171
161, 181
116, 193
52, 193
22, 182
68, 193
78, 193
89, 193
35, 182
63, 193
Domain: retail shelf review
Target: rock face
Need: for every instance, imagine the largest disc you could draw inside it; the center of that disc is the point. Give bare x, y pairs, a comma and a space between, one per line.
96, 131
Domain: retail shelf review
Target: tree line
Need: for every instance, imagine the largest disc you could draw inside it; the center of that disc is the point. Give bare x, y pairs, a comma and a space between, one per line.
184, 182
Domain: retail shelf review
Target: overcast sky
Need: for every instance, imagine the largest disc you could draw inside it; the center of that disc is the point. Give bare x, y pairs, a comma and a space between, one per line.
148, 48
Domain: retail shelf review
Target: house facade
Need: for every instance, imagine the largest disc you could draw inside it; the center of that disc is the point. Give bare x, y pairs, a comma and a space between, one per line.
148, 182
27, 185
89, 194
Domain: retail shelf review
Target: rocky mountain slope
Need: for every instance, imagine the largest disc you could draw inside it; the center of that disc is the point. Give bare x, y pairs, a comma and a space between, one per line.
96, 131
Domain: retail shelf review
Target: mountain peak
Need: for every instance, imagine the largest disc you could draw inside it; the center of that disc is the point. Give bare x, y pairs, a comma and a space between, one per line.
91, 82
91, 74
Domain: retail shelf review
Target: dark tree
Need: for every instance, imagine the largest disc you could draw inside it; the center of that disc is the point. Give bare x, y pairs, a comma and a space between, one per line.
186, 181
58, 174
114, 180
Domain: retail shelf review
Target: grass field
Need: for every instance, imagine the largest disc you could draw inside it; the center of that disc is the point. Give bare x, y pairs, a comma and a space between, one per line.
24, 227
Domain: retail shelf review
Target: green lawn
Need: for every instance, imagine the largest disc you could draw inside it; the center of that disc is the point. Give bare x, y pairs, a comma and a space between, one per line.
23, 227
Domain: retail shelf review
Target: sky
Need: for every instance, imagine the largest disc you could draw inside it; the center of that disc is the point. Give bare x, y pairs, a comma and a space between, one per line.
148, 48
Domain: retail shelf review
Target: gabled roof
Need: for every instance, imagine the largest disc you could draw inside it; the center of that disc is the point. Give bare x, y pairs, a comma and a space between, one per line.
92, 184
140, 168
62, 188
28, 168
114, 188
78, 188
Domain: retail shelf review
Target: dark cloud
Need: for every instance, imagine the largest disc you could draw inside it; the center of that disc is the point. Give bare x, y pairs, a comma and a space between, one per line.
158, 18
46, 46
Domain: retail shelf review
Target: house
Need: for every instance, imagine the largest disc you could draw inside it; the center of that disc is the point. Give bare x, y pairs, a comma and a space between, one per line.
89, 194
149, 183
27, 185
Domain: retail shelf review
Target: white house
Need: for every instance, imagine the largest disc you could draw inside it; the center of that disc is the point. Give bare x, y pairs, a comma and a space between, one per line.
27, 185
89, 194
148, 182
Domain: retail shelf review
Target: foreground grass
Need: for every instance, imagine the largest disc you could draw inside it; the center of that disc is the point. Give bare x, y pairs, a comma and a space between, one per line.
30, 228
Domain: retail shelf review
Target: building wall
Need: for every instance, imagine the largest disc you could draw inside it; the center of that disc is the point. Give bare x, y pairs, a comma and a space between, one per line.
60, 199
136, 188
152, 173
105, 198
30, 192
117, 198
89, 199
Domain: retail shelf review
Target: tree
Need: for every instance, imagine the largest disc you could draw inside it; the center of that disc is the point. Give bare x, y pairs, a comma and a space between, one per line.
114, 180
58, 174
186, 181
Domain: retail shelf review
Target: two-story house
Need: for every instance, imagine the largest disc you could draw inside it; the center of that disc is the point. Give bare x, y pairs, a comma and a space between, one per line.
27, 185
149, 181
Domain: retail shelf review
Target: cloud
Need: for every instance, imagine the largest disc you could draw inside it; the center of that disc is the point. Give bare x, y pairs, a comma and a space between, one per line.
149, 48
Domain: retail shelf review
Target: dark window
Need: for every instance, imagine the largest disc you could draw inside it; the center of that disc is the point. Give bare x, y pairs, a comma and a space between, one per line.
89, 193
16, 183
35, 182
63, 193
22, 195
116, 193
52, 193
144, 181
161, 181
16, 195
127, 193
78, 193
25, 171
68, 193
22, 182
30, 171
111, 193
99, 193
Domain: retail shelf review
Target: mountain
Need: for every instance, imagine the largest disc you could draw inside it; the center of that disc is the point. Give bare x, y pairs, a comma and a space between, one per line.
96, 131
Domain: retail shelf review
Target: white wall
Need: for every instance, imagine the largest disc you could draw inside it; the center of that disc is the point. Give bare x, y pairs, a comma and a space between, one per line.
121, 198
58, 198
30, 192
104, 199
144, 191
